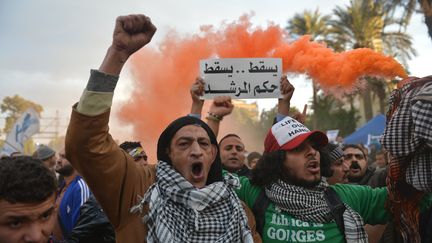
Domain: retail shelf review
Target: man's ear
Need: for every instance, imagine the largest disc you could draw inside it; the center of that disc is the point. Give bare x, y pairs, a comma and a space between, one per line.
214, 150
167, 152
